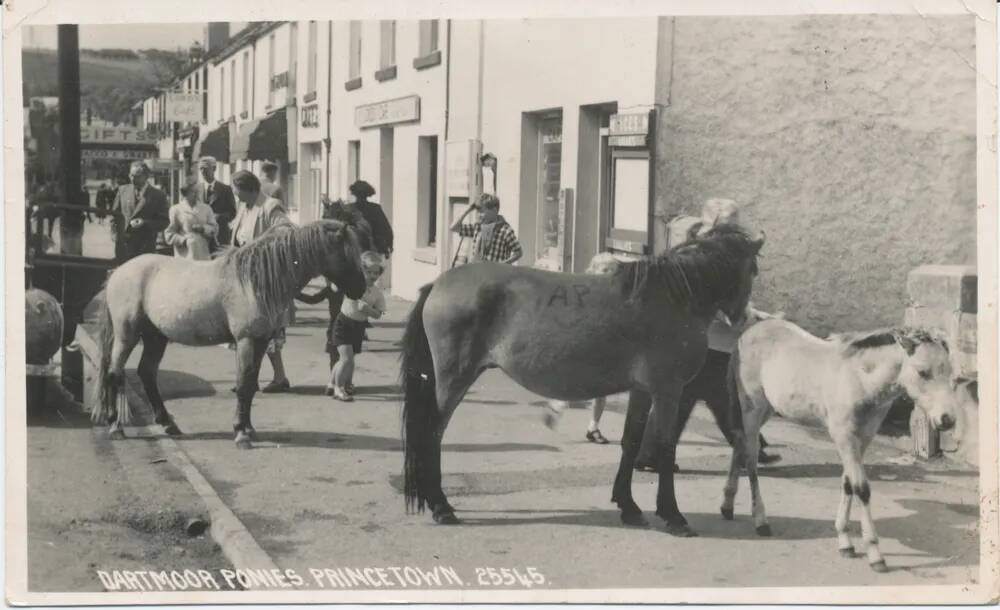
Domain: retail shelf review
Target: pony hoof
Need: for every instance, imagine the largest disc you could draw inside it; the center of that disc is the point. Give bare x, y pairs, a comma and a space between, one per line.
252, 434
880, 567
681, 530
446, 518
764, 530
172, 430
116, 435
727, 513
848, 553
243, 443
634, 519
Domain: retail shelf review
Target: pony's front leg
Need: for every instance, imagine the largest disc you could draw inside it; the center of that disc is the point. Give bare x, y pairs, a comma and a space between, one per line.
249, 353
635, 423
850, 448
665, 401
844, 519
761, 526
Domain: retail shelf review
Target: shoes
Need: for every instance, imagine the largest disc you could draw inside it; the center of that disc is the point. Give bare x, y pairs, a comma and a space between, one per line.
329, 389
349, 389
341, 395
276, 387
595, 436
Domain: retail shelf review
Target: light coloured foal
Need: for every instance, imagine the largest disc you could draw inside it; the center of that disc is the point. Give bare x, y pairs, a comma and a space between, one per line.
847, 384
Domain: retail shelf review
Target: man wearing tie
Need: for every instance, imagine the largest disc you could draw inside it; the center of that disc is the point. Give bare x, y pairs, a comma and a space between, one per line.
219, 197
140, 212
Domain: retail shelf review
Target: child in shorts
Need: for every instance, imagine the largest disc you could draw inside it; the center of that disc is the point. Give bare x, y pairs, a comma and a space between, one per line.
349, 327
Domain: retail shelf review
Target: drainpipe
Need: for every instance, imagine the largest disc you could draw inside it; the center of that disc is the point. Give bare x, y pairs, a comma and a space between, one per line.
329, 102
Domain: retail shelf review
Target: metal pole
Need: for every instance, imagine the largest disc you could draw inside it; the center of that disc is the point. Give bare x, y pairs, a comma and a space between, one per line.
71, 224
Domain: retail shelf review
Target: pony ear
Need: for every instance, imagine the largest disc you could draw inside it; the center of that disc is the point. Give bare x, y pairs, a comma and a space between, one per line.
758, 243
908, 343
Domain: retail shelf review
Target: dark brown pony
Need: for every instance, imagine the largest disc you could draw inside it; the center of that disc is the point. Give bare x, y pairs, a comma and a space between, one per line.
570, 337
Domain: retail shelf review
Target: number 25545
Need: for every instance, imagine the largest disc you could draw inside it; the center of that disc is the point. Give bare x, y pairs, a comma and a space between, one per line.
509, 577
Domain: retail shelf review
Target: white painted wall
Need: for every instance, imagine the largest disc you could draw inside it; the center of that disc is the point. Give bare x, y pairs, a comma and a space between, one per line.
408, 274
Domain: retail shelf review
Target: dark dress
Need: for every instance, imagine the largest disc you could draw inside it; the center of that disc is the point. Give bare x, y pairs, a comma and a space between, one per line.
382, 236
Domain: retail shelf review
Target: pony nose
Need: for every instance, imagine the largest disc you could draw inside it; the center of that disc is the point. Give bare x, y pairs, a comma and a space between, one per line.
947, 422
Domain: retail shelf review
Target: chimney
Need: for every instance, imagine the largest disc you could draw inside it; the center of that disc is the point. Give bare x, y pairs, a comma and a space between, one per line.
216, 35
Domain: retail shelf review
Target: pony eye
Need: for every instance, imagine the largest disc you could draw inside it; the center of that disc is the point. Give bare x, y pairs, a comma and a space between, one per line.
924, 374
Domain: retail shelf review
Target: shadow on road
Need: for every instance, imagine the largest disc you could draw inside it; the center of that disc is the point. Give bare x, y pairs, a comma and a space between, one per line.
176, 384
328, 440
877, 473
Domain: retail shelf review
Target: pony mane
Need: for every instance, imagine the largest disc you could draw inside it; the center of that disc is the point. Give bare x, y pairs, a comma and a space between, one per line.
273, 266
697, 274
858, 342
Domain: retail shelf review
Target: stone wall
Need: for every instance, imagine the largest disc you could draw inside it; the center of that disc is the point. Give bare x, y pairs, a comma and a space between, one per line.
850, 140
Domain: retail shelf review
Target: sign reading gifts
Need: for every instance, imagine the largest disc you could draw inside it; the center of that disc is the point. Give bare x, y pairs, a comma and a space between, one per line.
184, 107
123, 134
399, 110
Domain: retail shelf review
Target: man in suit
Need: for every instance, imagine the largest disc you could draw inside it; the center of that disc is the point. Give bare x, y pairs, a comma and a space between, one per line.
219, 197
269, 183
140, 212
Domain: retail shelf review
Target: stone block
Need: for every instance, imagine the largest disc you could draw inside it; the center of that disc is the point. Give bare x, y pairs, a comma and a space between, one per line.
944, 287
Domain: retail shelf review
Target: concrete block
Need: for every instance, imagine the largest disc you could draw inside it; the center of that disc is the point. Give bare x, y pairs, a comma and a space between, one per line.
945, 287
925, 437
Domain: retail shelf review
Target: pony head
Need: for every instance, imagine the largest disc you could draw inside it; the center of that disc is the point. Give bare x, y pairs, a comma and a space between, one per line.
343, 264
926, 375
741, 249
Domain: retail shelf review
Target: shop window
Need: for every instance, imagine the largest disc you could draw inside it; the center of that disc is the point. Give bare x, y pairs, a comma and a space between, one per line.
630, 199
427, 191
549, 183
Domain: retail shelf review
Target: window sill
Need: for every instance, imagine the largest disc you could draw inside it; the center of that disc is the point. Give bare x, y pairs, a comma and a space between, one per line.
309, 97
427, 61
387, 73
354, 83
427, 255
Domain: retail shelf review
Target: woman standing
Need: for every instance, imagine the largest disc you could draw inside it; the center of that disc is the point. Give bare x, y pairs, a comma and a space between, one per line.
381, 230
192, 226
256, 214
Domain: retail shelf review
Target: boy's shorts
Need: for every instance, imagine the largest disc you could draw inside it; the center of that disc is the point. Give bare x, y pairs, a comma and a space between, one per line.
347, 331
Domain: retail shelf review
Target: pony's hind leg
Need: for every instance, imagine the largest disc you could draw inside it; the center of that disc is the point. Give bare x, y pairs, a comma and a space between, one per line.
762, 527
666, 398
154, 344
850, 447
733, 477
636, 419
126, 338
450, 391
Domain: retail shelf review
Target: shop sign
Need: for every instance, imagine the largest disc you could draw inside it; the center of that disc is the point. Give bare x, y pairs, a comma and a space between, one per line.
279, 81
116, 154
184, 107
116, 135
310, 115
629, 124
399, 110
631, 141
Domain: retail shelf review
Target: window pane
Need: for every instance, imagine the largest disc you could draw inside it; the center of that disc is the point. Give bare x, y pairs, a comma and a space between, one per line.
354, 50
549, 183
631, 196
312, 60
428, 36
388, 44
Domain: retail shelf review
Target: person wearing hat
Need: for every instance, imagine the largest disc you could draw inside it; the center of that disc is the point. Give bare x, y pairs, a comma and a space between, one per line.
709, 385
192, 225
140, 212
381, 230
219, 197
269, 182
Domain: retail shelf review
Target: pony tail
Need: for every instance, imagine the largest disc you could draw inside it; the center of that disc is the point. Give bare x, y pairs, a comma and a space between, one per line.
108, 387
420, 408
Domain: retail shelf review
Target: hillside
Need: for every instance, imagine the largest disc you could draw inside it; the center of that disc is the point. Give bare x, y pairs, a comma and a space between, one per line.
110, 83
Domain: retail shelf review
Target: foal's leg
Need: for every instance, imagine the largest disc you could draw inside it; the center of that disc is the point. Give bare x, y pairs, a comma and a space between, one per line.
665, 401
249, 353
635, 423
154, 344
844, 518
759, 513
850, 448
750, 427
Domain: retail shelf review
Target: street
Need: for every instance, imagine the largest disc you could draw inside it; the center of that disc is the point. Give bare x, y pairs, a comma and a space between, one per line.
321, 489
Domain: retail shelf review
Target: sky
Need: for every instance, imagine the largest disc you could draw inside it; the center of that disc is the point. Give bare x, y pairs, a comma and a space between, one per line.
130, 36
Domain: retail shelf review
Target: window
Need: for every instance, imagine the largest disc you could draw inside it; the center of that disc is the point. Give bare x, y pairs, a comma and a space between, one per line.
387, 57
353, 161
312, 59
549, 184
222, 93
354, 51
427, 191
270, 70
232, 88
428, 36
197, 85
246, 83
631, 194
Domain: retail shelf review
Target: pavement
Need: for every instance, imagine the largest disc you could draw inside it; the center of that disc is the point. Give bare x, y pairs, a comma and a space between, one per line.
322, 487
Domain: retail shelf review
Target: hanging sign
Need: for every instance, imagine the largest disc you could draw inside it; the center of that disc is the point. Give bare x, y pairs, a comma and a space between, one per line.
184, 107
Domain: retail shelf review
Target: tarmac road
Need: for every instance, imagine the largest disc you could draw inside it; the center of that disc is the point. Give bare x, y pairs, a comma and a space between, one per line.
322, 488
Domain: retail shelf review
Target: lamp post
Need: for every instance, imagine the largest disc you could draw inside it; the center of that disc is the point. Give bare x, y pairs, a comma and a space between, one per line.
71, 224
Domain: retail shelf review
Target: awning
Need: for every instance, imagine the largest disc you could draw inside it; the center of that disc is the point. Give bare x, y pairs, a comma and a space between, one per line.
262, 139
214, 144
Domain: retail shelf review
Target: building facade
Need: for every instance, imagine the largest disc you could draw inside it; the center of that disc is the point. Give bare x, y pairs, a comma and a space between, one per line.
314, 127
